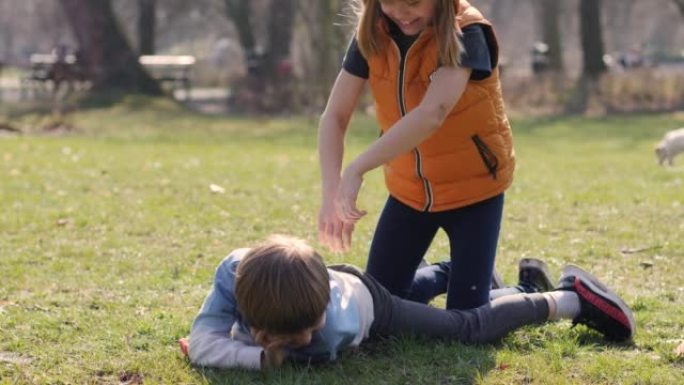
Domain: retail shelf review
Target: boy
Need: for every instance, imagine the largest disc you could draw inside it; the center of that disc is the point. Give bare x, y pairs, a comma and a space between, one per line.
278, 300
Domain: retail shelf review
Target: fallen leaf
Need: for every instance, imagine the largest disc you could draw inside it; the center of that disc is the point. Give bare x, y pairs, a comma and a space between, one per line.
216, 189
503, 366
646, 264
62, 222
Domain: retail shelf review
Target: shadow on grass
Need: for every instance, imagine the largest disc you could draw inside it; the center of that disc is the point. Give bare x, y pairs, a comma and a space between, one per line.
391, 361
586, 337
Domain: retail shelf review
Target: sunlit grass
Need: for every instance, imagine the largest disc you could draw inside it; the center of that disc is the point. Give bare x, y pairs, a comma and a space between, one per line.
109, 236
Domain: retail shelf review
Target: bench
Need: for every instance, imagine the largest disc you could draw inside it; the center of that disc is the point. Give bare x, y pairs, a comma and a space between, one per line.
50, 68
172, 69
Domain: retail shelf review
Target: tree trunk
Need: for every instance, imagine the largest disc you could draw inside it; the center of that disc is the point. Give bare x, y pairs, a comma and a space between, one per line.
548, 21
593, 64
280, 35
325, 40
680, 5
327, 67
592, 39
269, 82
146, 26
239, 13
551, 33
105, 55
278, 63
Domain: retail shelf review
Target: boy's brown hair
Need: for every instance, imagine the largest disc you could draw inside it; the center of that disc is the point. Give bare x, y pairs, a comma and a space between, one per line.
447, 33
282, 286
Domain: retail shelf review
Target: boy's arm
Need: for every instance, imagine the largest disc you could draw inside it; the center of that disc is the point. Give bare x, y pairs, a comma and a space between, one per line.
210, 341
218, 350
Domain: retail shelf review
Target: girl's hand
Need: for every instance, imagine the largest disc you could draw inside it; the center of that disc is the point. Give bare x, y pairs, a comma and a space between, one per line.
332, 231
347, 193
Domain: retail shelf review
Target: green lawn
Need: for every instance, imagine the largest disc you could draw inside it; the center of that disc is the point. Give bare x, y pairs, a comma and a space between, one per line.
109, 236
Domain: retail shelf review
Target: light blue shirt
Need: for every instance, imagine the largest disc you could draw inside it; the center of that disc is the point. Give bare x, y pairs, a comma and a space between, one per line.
220, 338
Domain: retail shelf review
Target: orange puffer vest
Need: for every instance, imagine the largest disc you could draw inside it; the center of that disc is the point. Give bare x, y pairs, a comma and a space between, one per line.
470, 157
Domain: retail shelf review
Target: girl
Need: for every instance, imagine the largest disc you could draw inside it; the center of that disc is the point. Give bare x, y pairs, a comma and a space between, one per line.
446, 145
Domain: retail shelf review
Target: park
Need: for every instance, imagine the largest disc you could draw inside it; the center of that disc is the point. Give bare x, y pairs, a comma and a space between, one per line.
122, 189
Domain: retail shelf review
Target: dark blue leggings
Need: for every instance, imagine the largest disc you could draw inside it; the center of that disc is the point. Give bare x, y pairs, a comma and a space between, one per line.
404, 234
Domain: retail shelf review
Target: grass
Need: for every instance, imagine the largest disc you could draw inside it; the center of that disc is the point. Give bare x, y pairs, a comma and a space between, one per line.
109, 236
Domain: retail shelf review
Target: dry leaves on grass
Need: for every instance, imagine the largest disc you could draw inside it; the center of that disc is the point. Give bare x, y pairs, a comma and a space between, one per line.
130, 378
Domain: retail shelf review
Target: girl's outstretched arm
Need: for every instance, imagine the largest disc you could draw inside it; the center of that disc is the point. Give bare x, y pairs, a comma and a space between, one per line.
332, 231
445, 89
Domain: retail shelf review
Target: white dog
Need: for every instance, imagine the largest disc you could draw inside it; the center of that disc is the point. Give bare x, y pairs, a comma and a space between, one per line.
671, 145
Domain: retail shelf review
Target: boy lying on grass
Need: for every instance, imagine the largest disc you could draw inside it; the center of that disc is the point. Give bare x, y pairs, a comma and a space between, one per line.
278, 301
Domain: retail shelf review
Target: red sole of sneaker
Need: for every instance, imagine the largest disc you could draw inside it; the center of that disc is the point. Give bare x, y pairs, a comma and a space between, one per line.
595, 285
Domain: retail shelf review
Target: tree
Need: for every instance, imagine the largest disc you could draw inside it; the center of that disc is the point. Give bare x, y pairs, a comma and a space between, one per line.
238, 11
268, 85
104, 54
6, 38
592, 39
591, 35
279, 39
550, 23
146, 25
680, 5
325, 33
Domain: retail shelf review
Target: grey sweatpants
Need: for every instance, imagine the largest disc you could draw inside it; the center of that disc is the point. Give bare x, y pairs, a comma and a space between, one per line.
488, 323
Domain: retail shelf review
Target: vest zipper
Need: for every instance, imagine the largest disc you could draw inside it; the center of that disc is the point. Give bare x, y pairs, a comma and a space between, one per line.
402, 109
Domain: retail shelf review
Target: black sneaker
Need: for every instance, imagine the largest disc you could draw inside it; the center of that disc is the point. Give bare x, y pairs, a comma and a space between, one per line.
533, 276
601, 309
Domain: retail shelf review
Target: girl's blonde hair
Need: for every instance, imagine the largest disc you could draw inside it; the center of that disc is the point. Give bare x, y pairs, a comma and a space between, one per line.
447, 33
